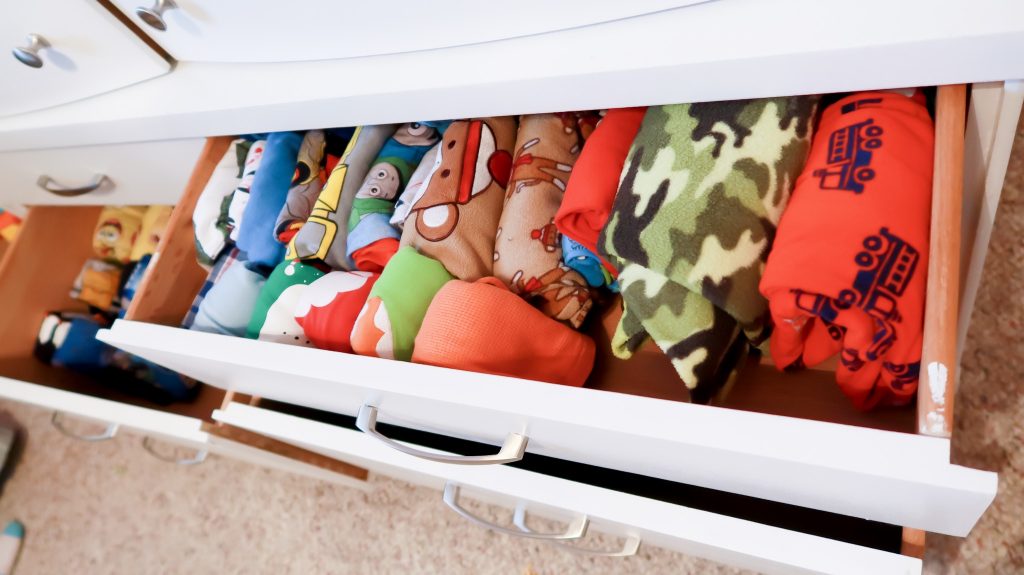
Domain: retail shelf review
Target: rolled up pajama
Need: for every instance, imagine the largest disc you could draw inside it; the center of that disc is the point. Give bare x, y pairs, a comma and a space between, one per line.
221, 265
591, 189
154, 222
328, 308
307, 181
209, 220
528, 246
266, 198
702, 190
116, 233
389, 321
234, 205
324, 236
847, 273
372, 240
273, 316
454, 218
227, 307
460, 331
416, 181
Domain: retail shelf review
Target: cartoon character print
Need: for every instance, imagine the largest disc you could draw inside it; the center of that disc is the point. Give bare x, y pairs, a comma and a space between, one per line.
416, 134
467, 164
529, 170
107, 236
548, 236
558, 293
381, 183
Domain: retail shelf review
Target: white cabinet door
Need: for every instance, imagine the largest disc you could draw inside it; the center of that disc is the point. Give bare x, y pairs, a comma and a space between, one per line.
89, 53
897, 478
140, 173
241, 31
720, 538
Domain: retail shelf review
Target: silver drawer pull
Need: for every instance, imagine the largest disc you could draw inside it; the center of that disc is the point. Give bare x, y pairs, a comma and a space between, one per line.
199, 457
50, 185
629, 547
29, 55
577, 528
155, 16
511, 450
108, 433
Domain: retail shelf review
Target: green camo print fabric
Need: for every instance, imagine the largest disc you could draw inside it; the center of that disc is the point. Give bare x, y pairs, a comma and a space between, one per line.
700, 195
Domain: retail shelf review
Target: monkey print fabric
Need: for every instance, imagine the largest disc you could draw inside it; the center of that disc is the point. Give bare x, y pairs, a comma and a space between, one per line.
528, 247
454, 216
848, 271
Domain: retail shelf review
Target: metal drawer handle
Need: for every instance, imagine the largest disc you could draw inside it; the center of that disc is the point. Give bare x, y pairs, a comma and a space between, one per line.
199, 457
577, 528
29, 55
50, 185
629, 547
511, 450
155, 16
109, 433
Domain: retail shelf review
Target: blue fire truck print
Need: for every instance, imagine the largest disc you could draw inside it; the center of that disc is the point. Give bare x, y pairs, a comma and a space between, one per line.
849, 157
887, 265
821, 306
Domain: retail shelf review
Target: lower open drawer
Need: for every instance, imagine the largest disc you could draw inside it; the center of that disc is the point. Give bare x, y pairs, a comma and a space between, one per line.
630, 517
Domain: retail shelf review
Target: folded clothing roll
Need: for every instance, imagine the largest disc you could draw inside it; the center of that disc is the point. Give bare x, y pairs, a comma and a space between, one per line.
461, 331
221, 265
228, 305
454, 217
209, 218
273, 316
594, 181
859, 292
418, 179
324, 236
691, 226
116, 232
328, 308
97, 285
389, 321
233, 208
372, 240
267, 196
154, 222
528, 246
307, 180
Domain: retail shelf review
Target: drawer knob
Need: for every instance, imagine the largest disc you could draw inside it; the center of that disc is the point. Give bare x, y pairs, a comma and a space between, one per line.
576, 529
29, 55
50, 185
109, 433
154, 16
629, 547
199, 457
511, 450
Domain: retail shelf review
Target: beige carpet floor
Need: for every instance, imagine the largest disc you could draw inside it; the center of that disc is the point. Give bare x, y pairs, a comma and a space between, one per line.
110, 508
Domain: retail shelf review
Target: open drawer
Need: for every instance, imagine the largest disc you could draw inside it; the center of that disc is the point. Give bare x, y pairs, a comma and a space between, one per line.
781, 437
629, 514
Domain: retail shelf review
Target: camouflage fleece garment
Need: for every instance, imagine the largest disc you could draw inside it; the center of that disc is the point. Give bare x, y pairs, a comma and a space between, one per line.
701, 192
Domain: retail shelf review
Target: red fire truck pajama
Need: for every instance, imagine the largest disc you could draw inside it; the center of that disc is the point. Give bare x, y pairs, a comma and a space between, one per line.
848, 269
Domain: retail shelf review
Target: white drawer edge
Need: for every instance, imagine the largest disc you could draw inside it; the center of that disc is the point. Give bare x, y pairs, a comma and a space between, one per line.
720, 538
149, 421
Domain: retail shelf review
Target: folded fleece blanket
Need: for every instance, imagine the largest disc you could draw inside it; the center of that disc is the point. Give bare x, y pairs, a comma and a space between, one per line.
461, 331
528, 246
372, 240
267, 196
389, 321
234, 205
324, 236
454, 217
273, 315
591, 189
328, 308
867, 189
702, 190
209, 218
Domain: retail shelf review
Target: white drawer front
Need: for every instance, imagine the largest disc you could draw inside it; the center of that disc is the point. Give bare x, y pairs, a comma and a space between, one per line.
321, 30
143, 173
719, 538
149, 422
896, 478
90, 53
